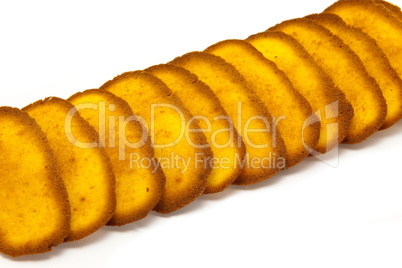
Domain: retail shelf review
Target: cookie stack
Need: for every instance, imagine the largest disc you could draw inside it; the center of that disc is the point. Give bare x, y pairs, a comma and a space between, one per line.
238, 112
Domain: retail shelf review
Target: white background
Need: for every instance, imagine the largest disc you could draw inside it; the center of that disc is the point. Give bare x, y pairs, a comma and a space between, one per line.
312, 215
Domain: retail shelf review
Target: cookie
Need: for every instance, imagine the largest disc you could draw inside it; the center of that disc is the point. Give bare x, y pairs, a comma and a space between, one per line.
327, 101
139, 187
348, 73
84, 166
181, 154
396, 11
373, 59
265, 149
34, 211
203, 104
290, 109
378, 22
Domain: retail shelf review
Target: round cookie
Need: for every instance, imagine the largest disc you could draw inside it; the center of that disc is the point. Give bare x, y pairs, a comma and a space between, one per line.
265, 149
181, 153
34, 211
203, 103
396, 11
348, 73
378, 22
138, 187
84, 166
289, 108
373, 59
391, 7
327, 101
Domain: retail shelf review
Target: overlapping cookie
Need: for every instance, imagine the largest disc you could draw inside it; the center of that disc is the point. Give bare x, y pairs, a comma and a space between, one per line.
249, 115
159, 138
360, 89
180, 153
289, 108
378, 22
373, 59
212, 119
139, 186
327, 101
34, 211
83, 165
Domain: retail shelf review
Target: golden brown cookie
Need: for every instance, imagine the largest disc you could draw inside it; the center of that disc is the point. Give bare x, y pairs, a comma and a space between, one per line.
181, 153
373, 59
203, 104
84, 166
139, 187
290, 109
348, 73
326, 100
376, 21
265, 149
396, 11
34, 211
